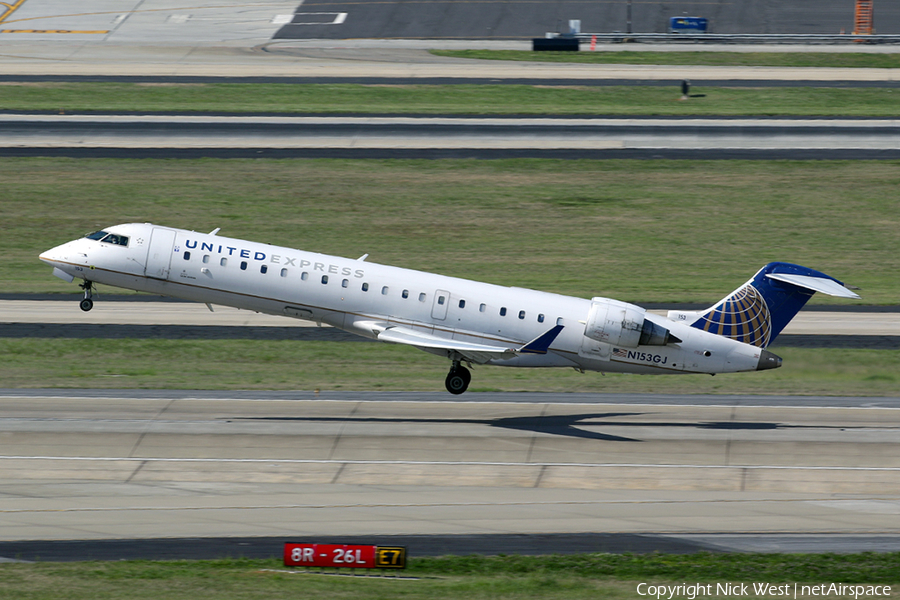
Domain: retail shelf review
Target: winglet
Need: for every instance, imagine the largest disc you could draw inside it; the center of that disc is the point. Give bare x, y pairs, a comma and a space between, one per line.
540, 344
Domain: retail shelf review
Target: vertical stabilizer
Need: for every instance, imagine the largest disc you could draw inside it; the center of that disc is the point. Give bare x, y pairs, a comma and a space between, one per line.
756, 312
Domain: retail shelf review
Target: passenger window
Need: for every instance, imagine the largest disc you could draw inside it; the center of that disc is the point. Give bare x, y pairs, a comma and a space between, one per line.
422, 297
384, 291
284, 272
345, 283
324, 279
206, 259
521, 314
223, 262
540, 318
405, 294
441, 300
559, 320
304, 276
503, 312
243, 265
462, 303
263, 269
365, 287
482, 307
187, 255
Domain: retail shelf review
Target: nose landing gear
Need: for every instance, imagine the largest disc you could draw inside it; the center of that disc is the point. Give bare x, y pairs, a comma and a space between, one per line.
87, 304
458, 379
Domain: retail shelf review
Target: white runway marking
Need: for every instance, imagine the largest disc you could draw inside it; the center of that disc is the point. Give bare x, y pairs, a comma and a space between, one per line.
435, 462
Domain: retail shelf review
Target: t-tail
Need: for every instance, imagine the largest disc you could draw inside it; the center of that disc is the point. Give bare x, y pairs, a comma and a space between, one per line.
759, 310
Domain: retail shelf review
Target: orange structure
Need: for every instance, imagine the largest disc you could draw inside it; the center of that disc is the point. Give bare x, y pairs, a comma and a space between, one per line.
863, 21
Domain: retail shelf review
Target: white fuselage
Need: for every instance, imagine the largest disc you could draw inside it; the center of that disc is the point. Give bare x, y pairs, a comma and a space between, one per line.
364, 298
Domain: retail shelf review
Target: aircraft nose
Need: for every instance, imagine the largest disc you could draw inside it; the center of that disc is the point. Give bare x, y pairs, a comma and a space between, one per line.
56, 255
768, 360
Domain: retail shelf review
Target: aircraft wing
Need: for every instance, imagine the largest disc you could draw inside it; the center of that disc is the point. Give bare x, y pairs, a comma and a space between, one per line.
477, 353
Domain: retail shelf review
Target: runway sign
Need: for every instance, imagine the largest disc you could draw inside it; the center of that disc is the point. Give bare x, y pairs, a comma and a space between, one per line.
344, 555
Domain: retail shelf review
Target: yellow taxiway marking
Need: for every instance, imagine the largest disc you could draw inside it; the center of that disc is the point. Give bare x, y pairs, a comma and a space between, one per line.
9, 9
52, 31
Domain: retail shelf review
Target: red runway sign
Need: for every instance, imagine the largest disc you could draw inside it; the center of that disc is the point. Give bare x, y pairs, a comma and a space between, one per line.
344, 555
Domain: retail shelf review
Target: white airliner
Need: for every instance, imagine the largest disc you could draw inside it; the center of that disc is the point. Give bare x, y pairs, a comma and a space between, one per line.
465, 321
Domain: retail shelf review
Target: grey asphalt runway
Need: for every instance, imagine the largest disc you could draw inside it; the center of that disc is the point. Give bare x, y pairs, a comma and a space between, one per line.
162, 134
561, 82
82, 468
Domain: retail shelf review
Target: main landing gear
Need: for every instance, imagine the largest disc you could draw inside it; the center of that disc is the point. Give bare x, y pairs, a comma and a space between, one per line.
458, 379
88, 287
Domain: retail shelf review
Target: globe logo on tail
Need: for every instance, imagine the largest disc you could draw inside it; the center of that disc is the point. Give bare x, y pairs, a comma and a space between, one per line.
742, 316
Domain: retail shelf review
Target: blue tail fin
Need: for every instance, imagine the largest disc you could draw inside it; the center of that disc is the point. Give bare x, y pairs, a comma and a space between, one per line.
756, 312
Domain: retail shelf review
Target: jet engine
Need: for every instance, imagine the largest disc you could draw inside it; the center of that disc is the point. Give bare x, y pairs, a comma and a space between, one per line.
622, 324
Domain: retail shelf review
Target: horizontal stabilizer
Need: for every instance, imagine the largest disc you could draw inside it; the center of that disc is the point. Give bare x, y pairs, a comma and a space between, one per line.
816, 284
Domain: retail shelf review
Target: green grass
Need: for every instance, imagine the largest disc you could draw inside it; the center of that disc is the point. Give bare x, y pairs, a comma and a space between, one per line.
451, 99
638, 231
287, 365
504, 577
716, 59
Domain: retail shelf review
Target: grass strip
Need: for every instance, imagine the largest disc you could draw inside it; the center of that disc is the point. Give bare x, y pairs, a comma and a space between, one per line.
286, 365
638, 231
460, 99
509, 577
616, 55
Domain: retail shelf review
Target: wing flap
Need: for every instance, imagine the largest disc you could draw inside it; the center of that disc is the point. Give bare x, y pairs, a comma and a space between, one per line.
478, 353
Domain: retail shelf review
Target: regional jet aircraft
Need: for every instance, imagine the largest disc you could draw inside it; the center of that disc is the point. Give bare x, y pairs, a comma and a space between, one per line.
465, 321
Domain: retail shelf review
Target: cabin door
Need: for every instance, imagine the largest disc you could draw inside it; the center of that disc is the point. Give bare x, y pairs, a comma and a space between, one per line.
159, 254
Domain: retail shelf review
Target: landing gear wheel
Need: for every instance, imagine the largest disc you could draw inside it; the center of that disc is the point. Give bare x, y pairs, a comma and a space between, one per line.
87, 304
458, 380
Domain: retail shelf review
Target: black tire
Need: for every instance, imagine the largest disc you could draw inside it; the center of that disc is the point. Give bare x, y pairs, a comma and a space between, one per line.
86, 304
458, 380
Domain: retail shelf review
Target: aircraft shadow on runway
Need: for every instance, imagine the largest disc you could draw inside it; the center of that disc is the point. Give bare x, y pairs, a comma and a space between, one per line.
562, 425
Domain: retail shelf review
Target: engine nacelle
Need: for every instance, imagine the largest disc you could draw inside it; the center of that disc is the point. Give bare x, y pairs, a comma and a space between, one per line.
622, 324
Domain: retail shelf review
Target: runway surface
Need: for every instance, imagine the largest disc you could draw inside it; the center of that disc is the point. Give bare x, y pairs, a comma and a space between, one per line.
100, 465
249, 39
162, 135
117, 131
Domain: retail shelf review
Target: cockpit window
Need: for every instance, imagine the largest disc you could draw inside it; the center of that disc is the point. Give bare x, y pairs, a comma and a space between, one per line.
108, 238
118, 240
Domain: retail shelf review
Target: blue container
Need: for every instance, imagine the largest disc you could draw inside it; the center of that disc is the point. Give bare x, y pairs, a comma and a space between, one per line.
688, 24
